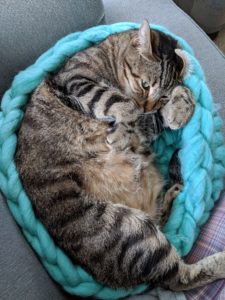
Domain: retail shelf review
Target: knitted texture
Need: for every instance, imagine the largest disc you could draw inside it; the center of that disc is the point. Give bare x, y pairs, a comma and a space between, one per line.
202, 156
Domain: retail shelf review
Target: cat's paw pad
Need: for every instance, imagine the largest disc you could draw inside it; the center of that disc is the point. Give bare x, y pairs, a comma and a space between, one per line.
179, 109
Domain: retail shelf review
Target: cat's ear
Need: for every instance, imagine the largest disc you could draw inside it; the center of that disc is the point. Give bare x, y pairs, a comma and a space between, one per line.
183, 62
144, 40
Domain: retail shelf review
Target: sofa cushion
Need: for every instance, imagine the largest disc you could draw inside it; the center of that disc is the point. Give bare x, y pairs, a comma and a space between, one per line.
22, 276
28, 28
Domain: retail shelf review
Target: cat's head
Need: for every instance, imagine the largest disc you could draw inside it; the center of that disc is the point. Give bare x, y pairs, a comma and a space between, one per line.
153, 65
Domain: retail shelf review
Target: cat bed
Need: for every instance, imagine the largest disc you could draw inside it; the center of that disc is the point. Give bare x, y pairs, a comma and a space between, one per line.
202, 158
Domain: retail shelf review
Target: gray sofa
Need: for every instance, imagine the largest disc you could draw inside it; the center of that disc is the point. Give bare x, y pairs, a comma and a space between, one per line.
30, 27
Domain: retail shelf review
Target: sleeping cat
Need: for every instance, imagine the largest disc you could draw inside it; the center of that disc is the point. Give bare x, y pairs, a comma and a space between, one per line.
84, 160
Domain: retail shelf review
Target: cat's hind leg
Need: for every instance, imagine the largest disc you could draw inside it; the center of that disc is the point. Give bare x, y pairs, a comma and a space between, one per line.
169, 197
174, 188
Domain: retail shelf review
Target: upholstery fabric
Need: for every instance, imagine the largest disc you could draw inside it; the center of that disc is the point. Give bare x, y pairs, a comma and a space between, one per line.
29, 27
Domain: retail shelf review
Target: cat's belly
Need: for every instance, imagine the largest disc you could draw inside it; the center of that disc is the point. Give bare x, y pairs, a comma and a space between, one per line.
129, 179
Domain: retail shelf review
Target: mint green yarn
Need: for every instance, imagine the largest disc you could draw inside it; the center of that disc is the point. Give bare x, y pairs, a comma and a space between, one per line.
202, 155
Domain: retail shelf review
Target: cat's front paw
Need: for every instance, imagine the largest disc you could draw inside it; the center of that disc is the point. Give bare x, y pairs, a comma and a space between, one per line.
179, 109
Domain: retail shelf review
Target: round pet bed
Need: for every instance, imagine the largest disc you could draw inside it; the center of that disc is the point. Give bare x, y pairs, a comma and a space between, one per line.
202, 157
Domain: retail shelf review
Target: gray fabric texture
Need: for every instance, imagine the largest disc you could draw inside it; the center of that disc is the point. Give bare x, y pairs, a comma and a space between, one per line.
209, 14
28, 28
22, 275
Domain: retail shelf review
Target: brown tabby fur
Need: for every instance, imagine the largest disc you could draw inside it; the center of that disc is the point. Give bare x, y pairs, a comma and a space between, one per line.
84, 161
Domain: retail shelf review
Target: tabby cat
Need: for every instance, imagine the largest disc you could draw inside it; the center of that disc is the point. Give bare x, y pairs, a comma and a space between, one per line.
84, 159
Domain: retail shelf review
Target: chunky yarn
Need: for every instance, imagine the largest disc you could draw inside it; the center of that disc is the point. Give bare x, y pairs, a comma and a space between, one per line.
202, 155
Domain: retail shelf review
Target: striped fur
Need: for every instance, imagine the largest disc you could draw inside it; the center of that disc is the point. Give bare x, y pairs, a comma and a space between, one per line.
84, 162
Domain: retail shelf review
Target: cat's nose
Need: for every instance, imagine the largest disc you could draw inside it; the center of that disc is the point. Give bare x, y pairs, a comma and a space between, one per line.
150, 105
